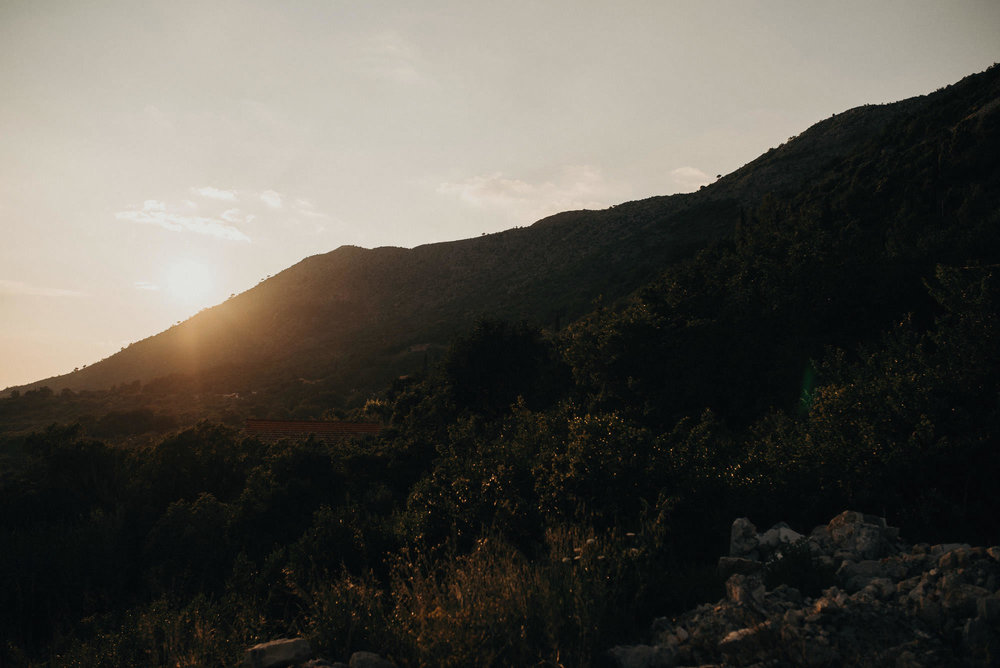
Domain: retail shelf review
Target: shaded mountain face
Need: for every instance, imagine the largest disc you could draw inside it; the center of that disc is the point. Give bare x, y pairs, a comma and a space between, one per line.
353, 318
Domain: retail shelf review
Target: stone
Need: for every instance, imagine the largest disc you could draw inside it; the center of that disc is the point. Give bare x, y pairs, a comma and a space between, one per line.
640, 656
855, 575
960, 557
277, 653
744, 590
743, 539
369, 660
731, 565
866, 536
961, 600
894, 605
778, 535
745, 643
944, 548
784, 592
882, 589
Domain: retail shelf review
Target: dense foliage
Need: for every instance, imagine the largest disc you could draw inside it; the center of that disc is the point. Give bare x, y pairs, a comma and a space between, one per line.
538, 496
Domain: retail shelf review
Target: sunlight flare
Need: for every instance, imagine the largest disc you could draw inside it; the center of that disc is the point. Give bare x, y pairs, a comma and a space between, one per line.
189, 282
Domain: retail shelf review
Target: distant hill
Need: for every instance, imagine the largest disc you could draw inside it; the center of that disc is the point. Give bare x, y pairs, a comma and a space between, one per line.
353, 318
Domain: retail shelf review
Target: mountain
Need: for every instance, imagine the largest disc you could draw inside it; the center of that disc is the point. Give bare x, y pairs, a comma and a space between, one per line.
353, 318
833, 344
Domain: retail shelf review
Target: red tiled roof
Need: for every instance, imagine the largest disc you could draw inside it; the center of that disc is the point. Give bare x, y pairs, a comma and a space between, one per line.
278, 429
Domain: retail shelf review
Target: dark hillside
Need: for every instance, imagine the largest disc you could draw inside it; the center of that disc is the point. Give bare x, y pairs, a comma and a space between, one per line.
353, 318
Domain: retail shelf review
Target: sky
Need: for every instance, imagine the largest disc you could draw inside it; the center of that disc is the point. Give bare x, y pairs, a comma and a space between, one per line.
156, 157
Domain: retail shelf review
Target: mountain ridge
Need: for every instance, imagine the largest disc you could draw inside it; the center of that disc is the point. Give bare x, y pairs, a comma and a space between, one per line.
334, 313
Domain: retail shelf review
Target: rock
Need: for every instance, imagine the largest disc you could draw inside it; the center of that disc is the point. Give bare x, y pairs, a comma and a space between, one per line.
640, 656
882, 589
744, 590
894, 605
787, 593
743, 539
745, 644
961, 600
944, 548
732, 565
958, 557
866, 536
277, 653
855, 576
369, 660
778, 535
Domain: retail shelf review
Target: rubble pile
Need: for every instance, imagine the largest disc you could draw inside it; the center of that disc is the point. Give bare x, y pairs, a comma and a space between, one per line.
849, 593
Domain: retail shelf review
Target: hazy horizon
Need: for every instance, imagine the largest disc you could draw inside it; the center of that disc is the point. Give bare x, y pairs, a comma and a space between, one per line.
158, 157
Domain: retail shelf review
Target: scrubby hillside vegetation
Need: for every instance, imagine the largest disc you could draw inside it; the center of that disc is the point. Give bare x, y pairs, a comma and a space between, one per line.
539, 495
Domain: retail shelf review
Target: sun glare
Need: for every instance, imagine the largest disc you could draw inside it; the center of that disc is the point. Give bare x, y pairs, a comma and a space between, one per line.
189, 282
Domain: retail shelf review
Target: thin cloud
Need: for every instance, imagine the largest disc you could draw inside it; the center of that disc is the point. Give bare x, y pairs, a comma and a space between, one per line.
305, 208
688, 178
26, 289
216, 193
577, 187
154, 212
232, 216
390, 56
271, 198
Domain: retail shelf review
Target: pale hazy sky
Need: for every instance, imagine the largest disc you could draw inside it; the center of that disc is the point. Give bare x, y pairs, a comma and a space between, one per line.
157, 156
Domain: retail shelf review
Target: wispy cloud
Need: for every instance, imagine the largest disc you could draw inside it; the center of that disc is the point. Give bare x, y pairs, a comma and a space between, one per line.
306, 208
686, 179
576, 187
26, 289
216, 193
232, 216
391, 56
154, 212
271, 198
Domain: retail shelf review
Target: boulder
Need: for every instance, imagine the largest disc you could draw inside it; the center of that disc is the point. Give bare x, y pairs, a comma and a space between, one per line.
860, 535
743, 539
732, 565
278, 653
778, 535
747, 644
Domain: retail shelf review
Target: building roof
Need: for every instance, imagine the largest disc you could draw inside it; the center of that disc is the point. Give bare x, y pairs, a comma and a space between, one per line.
279, 429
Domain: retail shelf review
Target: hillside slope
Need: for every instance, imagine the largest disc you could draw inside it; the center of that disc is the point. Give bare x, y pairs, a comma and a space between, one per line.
355, 317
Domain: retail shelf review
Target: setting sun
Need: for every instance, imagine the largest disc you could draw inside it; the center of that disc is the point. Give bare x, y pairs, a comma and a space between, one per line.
189, 282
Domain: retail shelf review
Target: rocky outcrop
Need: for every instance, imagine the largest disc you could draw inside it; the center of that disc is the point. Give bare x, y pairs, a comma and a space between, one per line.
849, 593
